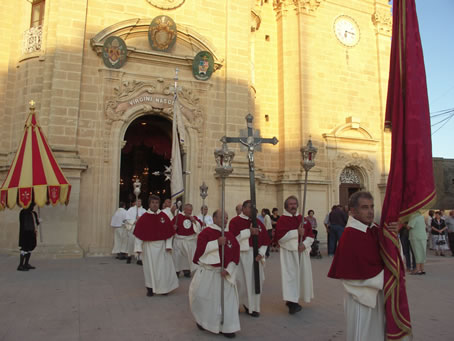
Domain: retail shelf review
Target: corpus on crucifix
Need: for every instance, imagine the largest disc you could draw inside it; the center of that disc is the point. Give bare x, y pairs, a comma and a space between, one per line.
252, 144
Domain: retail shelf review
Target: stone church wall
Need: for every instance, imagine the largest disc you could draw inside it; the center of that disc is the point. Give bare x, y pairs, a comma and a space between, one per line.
279, 60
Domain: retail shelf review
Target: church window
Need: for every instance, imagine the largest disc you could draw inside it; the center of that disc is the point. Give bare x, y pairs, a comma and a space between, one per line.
37, 16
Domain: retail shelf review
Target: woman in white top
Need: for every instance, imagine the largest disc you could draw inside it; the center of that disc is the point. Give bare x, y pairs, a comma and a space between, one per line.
266, 214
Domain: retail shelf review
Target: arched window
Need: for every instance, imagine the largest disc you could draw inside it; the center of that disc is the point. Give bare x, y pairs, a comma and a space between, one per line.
350, 181
350, 175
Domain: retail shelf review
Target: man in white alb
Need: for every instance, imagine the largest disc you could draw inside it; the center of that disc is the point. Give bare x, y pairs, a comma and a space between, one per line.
134, 246
358, 264
155, 230
187, 228
117, 223
205, 288
168, 208
295, 237
204, 217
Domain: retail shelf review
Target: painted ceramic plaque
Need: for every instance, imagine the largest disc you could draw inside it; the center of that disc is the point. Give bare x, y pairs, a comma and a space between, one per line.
203, 65
162, 33
114, 52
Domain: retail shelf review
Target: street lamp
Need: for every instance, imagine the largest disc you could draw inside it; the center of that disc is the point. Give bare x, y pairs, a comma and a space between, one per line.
203, 194
224, 158
308, 153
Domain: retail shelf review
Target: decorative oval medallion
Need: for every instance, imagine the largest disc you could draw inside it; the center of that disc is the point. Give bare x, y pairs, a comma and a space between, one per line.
187, 224
166, 4
162, 33
203, 65
114, 52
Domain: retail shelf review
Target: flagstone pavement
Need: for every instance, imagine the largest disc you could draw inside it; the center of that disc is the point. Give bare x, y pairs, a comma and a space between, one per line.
104, 299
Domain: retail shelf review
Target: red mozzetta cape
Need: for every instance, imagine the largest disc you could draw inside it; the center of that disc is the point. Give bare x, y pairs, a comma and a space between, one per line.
152, 227
286, 223
357, 255
181, 223
231, 248
238, 224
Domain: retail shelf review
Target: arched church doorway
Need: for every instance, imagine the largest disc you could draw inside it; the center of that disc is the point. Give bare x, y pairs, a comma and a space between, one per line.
147, 149
351, 181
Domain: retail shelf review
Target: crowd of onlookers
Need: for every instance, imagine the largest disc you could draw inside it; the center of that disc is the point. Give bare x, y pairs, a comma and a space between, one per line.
417, 234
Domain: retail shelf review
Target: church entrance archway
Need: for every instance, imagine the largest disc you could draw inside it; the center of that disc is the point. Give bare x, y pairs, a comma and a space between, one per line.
351, 181
147, 149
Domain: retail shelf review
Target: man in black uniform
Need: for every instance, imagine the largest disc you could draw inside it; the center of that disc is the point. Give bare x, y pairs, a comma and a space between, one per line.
28, 222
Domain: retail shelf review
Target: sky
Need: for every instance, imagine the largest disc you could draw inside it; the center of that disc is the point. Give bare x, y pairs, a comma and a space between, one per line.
437, 35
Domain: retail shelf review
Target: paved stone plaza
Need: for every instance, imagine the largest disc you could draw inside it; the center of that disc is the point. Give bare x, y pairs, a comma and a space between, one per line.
104, 299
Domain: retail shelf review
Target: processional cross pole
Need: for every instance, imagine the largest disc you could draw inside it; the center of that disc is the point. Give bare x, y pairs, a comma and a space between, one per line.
252, 142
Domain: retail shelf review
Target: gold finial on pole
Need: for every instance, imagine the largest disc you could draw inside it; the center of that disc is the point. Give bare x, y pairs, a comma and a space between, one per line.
32, 105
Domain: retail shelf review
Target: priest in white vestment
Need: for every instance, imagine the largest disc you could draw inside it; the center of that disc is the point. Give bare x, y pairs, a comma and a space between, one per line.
168, 208
117, 223
295, 239
133, 245
205, 288
156, 231
241, 227
204, 217
185, 241
358, 264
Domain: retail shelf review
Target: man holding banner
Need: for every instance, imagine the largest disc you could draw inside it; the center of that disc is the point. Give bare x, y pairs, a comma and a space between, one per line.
358, 264
410, 184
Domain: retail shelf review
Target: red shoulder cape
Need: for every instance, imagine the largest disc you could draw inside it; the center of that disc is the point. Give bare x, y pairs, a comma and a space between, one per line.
181, 230
231, 249
237, 224
153, 227
286, 223
357, 255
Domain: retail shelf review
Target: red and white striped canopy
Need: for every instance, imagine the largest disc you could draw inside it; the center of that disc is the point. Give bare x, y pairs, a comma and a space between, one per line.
34, 174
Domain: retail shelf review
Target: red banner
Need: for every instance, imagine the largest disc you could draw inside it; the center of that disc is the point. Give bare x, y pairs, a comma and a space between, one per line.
410, 184
54, 194
25, 196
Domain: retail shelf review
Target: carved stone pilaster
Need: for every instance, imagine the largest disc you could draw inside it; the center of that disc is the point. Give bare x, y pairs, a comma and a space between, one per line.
383, 22
307, 6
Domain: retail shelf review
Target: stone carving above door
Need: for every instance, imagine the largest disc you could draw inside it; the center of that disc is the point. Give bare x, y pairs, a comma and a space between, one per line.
354, 160
157, 96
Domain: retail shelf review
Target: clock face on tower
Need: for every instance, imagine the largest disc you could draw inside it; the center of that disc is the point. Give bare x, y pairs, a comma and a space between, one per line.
346, 30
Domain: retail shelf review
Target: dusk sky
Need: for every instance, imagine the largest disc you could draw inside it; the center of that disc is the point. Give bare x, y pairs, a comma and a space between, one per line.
437, 35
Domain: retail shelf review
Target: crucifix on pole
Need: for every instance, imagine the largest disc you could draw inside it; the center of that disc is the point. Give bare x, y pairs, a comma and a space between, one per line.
252, 143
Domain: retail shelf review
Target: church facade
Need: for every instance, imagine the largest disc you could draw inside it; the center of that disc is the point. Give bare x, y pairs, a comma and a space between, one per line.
100, 71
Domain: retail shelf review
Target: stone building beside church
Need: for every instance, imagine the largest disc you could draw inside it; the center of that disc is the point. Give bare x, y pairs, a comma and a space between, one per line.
304, 68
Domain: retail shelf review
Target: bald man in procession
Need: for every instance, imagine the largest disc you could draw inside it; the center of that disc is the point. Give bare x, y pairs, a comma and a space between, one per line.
205, 288
187, 228
241, 227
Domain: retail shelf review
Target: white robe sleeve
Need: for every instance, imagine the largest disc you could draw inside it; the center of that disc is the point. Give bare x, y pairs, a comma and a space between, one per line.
290, 240
308, 243
365, 291
196, 226
231, 269
243, 239
211, 254
168, 243
262, 250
